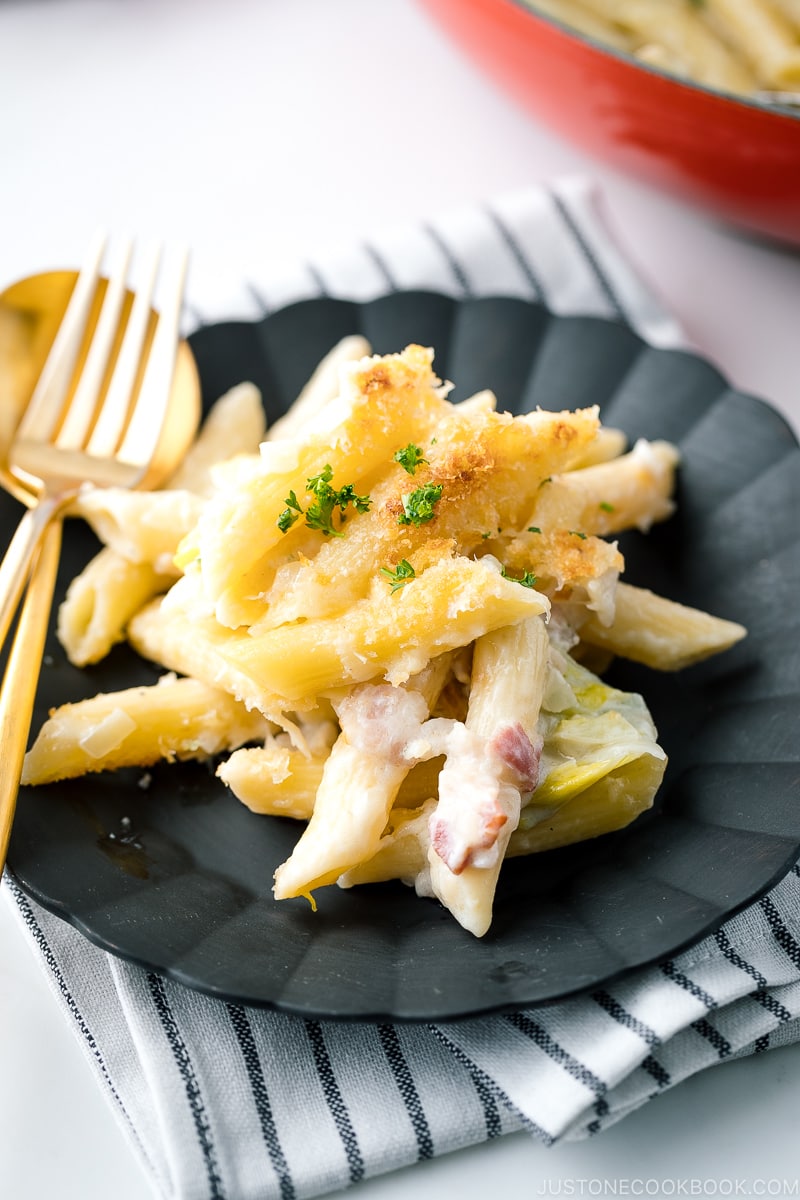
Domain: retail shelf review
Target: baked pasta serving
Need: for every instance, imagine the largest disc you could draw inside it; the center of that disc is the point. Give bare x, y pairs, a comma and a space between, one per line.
383, 617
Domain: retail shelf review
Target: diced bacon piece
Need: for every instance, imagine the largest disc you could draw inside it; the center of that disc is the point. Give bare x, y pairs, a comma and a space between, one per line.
448, 841
512, 744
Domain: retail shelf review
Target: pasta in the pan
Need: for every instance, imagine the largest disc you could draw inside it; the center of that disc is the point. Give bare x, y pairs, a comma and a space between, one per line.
747, 47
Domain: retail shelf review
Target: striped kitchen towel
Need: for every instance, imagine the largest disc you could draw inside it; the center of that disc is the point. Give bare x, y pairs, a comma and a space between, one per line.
224, 1101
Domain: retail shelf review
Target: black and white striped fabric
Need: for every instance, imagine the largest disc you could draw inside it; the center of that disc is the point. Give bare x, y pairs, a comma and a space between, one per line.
549, 245
222, 1101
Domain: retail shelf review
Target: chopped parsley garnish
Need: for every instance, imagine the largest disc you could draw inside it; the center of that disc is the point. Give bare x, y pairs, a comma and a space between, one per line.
287, 517
317, 483
527, 580
286, 520
400, 575
320, 512
606, 507
549, 479
319, 515
577, 533
410, 457
534, 529
348, 495
418, 505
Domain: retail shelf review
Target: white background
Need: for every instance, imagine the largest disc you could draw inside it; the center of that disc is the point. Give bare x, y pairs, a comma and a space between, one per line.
257, 131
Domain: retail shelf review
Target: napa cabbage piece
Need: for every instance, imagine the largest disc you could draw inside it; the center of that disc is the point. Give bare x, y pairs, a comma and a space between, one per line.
601, 763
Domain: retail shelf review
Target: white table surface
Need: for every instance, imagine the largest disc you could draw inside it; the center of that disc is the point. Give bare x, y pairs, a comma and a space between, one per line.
259, 125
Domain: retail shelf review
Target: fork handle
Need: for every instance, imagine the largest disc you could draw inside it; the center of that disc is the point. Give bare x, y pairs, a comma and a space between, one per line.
16, 565
21, 677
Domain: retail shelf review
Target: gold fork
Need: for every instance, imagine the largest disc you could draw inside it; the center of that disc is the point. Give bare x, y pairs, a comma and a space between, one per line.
103, 413
97, 413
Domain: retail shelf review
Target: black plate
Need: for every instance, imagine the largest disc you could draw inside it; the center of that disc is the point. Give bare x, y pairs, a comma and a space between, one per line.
188, 893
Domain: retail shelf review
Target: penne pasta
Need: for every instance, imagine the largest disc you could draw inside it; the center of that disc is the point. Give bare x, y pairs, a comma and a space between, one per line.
680, 32
282, 781
490, 771
736, 46
660, 633
763, 37
273, 780
402, 854
606, 444
193, 646
632, 491
581, 17
173, 719
143, 527
790, 10
448, 605
100, 602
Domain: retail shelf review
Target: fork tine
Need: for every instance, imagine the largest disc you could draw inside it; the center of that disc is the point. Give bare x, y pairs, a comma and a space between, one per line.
46, 404
147, 419
114, 414
83, 405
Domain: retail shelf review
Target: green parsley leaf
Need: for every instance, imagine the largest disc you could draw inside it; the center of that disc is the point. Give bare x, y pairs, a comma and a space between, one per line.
348, 495
286, 520
287, 517
418, 505
577, 533
534, 529
402, 573
527, 580
410, 457
549, 479
606, 507
316, 483
319, 514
